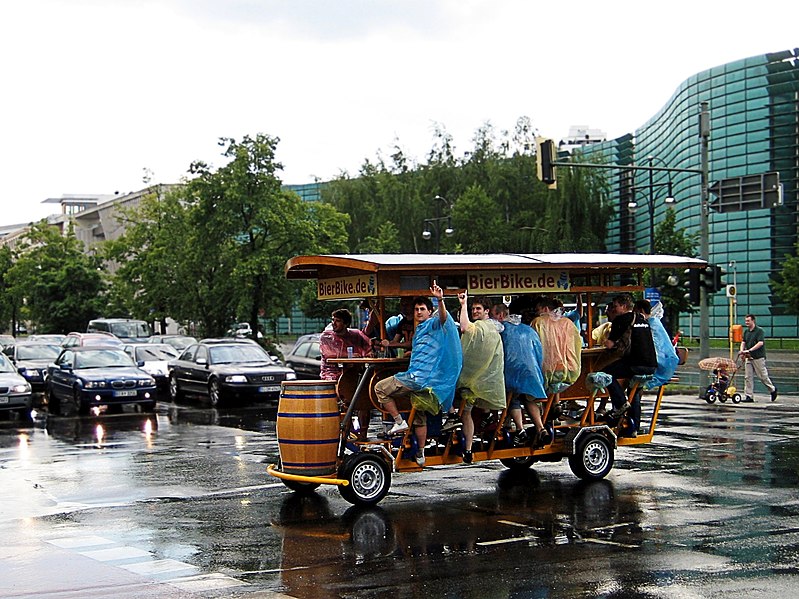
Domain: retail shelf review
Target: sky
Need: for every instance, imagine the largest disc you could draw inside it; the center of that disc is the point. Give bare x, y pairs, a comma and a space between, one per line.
99, 95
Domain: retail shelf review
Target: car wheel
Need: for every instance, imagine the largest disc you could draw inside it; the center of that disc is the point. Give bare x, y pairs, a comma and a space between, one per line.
73, 406
593, 458
369, 478
53, 405
174, 388
214, 393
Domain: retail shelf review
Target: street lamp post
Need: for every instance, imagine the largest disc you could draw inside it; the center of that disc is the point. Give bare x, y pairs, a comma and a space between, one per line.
632, 205
432, 226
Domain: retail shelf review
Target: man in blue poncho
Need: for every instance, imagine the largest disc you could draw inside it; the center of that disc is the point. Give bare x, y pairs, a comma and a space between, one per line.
436, 361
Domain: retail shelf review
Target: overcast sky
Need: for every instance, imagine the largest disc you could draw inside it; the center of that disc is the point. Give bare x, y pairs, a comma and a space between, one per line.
96, 91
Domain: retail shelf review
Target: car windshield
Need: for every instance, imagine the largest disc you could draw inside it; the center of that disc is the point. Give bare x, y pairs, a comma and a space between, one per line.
180, 342
131, 329
6, 365
244, 352
155, 353
38, 352
101, 340
102, 358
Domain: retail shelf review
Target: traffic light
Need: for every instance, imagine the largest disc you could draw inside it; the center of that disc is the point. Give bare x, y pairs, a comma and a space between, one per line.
709, 277
718, 279
713, 278
693, 283
546, 156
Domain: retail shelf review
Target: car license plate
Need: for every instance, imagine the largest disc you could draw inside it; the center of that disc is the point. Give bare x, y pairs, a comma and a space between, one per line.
3, 400
269, 389
125, 393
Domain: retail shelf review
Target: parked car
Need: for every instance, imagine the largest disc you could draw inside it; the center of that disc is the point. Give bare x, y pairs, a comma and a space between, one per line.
54, 338
305, 358
86, 377
32, 359
15, 391
7, 341
223, 369
179, 342
91, 339
126, 329
153, 358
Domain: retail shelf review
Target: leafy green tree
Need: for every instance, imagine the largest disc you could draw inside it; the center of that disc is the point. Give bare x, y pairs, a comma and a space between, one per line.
498, 204
670, 239
9, 302
786, 284
152, 258
62, 286
213, 250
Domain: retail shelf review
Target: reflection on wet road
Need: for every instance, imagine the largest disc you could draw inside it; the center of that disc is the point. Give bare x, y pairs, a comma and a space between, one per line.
180, 502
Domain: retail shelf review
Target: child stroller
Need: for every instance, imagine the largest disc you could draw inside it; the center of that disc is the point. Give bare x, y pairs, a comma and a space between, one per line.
721, 387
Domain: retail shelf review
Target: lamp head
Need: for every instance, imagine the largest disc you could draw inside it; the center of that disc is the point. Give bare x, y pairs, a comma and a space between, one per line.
426, 235
449, 231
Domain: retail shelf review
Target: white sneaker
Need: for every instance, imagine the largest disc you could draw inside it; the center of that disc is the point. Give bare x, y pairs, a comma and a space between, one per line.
420, 459
398, 428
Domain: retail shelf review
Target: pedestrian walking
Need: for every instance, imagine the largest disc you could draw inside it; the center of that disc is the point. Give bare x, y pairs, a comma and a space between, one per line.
753, 351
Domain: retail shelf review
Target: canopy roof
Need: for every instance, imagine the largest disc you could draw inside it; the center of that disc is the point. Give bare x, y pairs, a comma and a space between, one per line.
314, 267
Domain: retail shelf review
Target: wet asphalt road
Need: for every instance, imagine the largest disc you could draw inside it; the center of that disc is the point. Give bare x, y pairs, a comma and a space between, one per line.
179, 505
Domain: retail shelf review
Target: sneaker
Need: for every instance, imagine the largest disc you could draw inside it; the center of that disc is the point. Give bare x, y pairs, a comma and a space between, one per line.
519, 439
620, 411
420, 458
543, 438
451, 423
748, 399
467, 456
398, 428
774, 394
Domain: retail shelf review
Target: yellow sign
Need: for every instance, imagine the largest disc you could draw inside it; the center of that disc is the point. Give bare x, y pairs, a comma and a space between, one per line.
505, 282
347, 287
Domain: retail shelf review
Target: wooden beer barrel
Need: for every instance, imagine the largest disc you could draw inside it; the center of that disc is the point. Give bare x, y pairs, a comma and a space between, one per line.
308, 427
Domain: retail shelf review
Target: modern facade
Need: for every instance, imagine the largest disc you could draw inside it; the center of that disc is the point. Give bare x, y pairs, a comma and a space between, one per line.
754, 129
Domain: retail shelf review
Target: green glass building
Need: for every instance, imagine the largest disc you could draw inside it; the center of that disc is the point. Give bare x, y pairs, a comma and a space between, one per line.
754, 129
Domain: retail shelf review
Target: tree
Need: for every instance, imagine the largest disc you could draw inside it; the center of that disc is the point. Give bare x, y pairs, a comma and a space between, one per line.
669, 239
9, 302
213, 250
62, 287
786, 284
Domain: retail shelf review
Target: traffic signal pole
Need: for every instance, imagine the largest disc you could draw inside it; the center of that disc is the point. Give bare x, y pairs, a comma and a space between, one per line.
704, 249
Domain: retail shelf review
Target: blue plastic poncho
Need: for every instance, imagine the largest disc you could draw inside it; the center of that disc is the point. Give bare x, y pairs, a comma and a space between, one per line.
482, 376
436, 361
523, 359
666, 354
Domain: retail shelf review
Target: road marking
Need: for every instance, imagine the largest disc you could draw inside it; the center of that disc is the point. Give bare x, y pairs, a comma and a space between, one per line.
603, 542
206, 582
505, 541
166, 571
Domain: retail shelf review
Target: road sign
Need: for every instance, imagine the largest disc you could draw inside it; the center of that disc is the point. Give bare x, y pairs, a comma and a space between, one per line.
652, 294
746, 193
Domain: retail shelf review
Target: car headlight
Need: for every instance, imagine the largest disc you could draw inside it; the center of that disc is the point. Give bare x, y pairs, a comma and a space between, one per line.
94, 384
148, 382
290, 376
21, 388
236, 378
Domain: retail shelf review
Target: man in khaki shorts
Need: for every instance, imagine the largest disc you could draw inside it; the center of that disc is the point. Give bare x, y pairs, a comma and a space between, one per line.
436, 362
